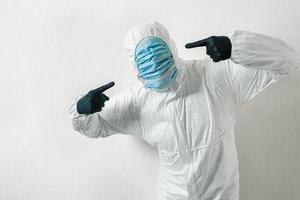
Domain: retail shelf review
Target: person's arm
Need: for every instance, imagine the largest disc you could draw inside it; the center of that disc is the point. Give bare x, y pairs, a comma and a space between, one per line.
250, 62
257, 61
120, 115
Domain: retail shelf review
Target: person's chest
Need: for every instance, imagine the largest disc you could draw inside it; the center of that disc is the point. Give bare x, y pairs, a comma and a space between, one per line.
182, 121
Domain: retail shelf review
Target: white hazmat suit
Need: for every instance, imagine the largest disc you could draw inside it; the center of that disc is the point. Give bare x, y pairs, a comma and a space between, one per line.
192, 124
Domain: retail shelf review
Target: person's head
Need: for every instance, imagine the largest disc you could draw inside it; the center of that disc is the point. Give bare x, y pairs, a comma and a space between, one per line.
153, 54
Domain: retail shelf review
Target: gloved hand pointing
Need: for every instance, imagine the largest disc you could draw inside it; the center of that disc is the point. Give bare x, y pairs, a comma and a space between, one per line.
217, 47
94, 100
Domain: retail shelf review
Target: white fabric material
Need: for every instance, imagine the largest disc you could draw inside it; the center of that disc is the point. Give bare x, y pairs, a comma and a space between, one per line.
139, 32
193, 125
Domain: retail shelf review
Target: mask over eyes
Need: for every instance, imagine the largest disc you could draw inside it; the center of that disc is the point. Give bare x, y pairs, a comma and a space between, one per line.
155, 63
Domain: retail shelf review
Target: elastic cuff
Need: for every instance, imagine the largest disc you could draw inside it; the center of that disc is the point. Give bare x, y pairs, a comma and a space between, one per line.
73, 109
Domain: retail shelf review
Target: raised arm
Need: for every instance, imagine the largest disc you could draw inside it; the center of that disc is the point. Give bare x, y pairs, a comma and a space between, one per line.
257, 61
257, 51
249, 63
120, 115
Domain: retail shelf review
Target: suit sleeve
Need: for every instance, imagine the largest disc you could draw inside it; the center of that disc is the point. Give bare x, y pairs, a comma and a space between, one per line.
256, 62
120, 115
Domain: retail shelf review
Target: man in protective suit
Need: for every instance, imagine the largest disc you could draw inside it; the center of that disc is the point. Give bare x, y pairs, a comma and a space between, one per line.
187, 109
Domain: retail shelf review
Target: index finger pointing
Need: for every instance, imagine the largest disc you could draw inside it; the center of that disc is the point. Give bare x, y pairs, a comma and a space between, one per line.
105, 87
199, 43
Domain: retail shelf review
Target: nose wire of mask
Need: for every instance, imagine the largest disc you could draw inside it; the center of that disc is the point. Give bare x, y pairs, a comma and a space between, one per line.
155, 63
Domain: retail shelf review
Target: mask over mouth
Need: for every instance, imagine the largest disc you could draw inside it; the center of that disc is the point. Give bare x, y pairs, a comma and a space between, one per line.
155, 63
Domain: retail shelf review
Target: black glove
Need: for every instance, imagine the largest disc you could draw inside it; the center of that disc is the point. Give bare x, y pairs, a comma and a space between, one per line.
217, 47
94, 100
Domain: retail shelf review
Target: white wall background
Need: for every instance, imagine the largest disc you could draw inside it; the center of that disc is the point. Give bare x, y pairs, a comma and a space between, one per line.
53, 50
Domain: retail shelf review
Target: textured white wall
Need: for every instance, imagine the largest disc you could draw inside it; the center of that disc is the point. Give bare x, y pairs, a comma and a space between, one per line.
53, 50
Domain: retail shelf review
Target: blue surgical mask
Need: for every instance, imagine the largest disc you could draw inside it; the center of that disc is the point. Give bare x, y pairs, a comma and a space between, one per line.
155, 63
